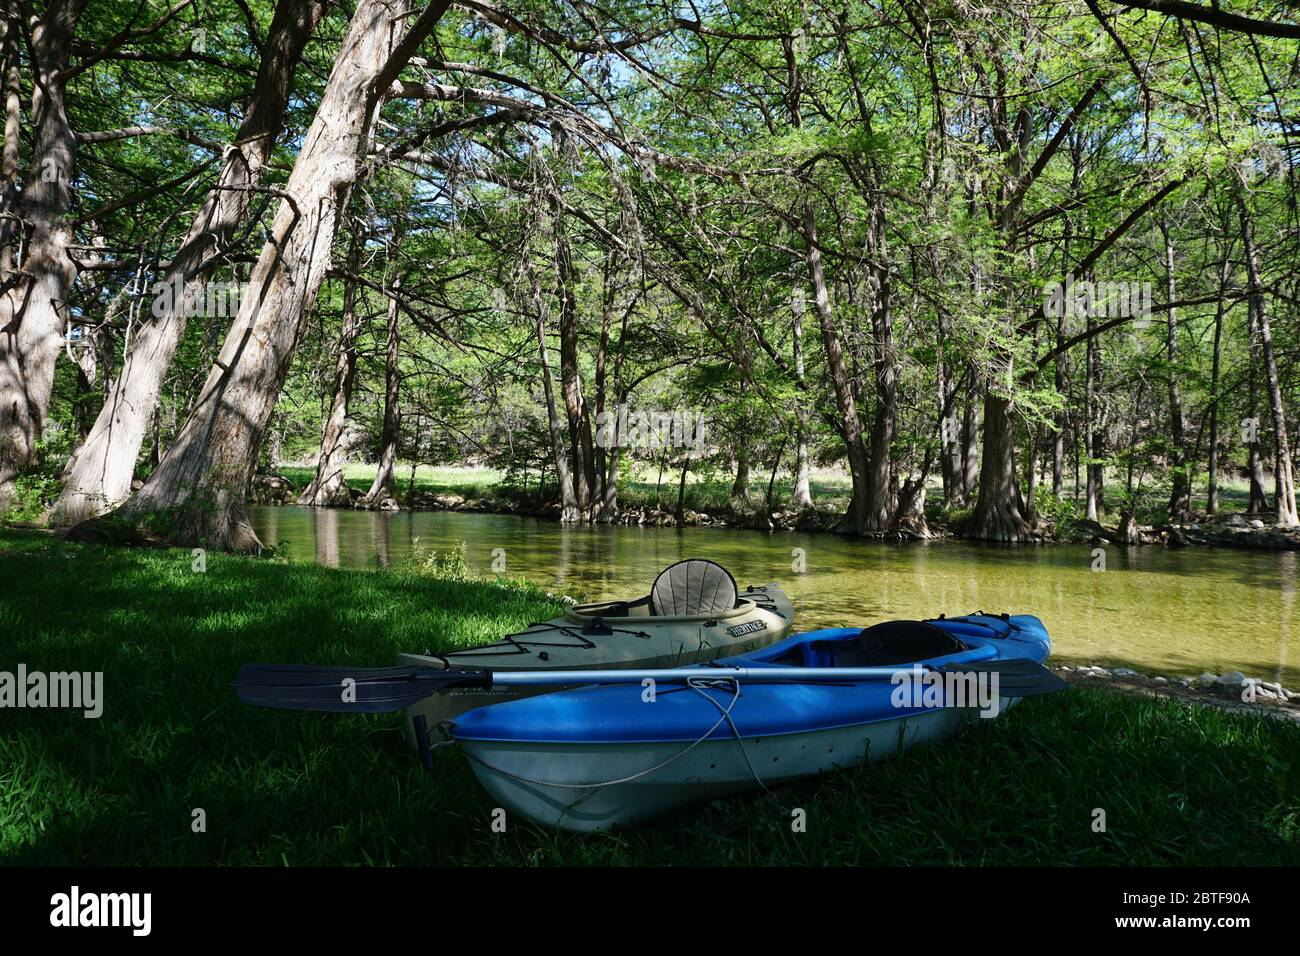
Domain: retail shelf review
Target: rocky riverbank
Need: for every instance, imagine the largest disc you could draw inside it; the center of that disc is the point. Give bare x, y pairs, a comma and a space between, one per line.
1230, 691
1231, 530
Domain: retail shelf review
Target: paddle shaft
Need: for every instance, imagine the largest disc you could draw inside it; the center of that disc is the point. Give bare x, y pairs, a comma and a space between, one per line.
751, 675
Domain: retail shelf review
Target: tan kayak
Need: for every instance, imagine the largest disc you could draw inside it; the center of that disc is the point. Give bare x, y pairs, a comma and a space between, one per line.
693, 615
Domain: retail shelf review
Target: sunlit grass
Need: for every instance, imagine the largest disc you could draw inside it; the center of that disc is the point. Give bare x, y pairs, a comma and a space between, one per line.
1178, 785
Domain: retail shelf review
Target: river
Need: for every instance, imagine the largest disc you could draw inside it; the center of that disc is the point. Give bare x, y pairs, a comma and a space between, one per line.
1174, 612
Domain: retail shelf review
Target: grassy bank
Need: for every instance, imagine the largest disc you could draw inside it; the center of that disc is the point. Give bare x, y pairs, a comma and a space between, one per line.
1178, 784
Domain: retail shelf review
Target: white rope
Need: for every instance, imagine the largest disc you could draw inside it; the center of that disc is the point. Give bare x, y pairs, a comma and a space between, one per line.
691, 683
726, 715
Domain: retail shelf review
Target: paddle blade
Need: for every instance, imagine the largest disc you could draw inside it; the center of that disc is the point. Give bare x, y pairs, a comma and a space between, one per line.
1016, 678
351, 690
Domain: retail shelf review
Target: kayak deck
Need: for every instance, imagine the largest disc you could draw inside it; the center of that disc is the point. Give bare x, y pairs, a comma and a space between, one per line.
584, 638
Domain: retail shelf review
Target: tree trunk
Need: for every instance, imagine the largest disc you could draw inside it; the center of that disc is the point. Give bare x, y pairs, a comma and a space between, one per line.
1212, 478
970, 433
1283, 480
570, 513
1058, 368
679, 512
850, 426
13, 29
802, 497
1094, 436
997, 514
1031, 478
605, 455
328, 487
1258, 502
99, 476
384, 487
582, 461
33, 312
880, 503
950, 468
197, 493
739, 496
1180, 498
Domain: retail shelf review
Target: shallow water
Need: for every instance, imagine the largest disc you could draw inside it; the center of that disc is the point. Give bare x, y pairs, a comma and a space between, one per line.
1170, 612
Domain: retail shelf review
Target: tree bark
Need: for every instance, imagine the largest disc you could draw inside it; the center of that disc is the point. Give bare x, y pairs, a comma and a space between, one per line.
739, 496
679, 511
33, 313
1212, 470
197, 493
582, 461
1258, 501
997, 514
13, 28
850, 425
1095, 435
970, 429
880, 504
950, 469
99, 476
570, 513
384, 488
328, 487
802, 498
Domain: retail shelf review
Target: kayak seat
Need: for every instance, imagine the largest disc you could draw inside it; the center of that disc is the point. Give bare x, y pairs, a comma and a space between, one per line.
691, 588
898, 642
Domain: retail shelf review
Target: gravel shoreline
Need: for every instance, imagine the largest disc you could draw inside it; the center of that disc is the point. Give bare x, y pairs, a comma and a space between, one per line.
1231, 691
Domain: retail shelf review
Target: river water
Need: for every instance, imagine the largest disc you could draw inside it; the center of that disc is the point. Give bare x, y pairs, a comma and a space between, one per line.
1171, 612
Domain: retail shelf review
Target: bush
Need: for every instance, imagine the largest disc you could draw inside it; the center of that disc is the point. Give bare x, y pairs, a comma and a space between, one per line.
38, 487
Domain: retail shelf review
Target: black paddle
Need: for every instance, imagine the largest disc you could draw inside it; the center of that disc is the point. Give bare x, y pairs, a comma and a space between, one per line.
1016, 678
351, 690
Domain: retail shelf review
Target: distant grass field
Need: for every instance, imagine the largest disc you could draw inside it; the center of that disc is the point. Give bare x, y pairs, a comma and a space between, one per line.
1179, 785
831, 490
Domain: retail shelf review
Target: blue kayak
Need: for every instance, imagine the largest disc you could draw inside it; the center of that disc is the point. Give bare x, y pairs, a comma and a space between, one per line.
613, 755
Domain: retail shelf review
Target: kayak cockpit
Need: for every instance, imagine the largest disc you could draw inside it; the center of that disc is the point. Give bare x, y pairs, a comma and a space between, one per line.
881, 645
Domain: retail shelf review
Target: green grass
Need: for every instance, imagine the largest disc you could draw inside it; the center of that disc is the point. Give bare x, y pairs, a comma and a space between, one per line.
1179, 785
448, 479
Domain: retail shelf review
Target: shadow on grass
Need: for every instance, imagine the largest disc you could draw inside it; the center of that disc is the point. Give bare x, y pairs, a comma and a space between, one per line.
1178, 785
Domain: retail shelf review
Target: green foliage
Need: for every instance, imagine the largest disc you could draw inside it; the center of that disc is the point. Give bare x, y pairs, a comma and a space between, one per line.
39, 486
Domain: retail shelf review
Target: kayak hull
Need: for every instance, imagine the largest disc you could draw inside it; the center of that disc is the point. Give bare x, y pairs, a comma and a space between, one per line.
615, 755
762, 616
513, 773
